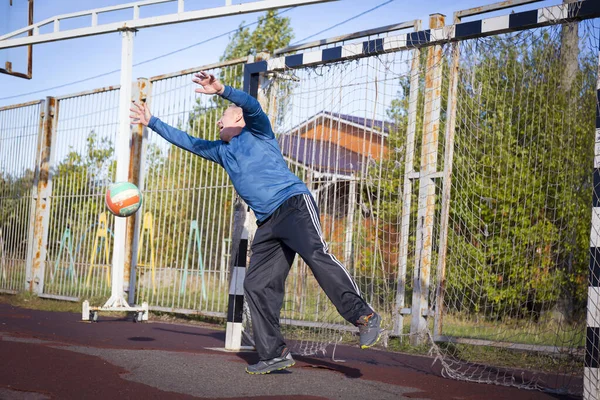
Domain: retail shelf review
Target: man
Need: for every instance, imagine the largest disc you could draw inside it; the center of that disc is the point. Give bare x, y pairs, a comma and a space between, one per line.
287, 219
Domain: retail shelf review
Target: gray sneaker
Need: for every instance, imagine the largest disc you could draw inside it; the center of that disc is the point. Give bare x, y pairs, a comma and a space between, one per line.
274, 364
370, 330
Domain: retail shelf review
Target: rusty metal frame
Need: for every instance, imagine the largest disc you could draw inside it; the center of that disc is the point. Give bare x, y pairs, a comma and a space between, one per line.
187, 71
142, 92
34, 189
20, 105
427, 187
8, 66
88, 92
407, 189
42, 193
502, 5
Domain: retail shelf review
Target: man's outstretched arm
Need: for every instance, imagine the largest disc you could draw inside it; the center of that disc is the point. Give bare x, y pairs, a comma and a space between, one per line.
255, 118
204, 148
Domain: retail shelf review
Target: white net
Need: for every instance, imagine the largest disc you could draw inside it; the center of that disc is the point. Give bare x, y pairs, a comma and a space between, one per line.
509, 295
519, 220
334, 128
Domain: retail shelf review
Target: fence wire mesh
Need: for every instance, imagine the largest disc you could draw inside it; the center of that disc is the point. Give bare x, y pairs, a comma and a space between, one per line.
80, 236
183, 254
19, 131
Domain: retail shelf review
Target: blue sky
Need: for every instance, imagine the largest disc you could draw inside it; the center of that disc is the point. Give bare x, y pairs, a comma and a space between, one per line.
60, 63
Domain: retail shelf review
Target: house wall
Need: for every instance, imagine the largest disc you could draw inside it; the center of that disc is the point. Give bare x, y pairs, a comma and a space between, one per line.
352, 138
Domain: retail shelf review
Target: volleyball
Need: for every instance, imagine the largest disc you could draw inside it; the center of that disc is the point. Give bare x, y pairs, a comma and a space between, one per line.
123, 199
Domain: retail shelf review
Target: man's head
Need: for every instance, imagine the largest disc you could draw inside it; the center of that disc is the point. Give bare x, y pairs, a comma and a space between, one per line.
231, 123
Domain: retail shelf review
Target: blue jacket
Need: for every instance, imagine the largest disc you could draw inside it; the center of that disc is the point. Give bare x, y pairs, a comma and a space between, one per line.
252, 159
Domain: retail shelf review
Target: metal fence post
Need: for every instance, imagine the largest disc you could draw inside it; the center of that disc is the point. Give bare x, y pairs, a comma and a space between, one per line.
426, 205
34, 196
239, 248
43, 184
123, 145
141, 92
398, 323
349, 231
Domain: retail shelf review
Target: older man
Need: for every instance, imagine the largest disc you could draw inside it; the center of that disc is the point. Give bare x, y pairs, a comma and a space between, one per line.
287, 219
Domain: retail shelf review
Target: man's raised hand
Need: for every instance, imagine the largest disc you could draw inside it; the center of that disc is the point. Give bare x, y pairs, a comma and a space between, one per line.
140, 114
209, 84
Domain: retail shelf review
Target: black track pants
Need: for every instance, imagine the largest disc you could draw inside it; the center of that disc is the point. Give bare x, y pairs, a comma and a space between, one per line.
293, 228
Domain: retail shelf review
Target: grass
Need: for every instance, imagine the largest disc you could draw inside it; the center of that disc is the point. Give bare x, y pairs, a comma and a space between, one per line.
566, 364
545, 333
33, 302
12, 276
402, 345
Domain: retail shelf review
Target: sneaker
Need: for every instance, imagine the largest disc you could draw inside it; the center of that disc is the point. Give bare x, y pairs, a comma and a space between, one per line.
370, 330
274, 364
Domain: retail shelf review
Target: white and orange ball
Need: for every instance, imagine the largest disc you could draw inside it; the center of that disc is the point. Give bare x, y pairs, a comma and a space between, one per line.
123, 199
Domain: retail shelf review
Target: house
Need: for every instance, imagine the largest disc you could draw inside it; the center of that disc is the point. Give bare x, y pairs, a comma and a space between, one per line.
332, 152
335, 143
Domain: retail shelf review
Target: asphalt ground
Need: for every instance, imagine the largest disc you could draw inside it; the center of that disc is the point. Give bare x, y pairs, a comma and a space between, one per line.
55, 355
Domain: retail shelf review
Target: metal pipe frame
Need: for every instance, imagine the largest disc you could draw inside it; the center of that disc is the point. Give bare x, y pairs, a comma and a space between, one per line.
502, 5
427, 189
9, 40
123, 156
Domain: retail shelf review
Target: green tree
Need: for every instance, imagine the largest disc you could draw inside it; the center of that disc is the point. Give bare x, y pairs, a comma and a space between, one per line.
386, 177
15, 192
78, 186
203, 191
527, 240
519, 225
271, 33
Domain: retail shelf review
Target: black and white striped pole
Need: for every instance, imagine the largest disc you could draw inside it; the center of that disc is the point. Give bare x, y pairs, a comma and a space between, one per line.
233, 335
591, 376
244, 221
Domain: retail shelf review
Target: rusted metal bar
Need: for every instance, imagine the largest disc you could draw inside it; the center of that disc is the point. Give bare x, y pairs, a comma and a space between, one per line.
221, 64
398, 324
580, 351
187, 311
21, 105
58, 297
35, 275
89, 92
141, 93
426, 205
8, 65
30, 47
502, 5
34, 188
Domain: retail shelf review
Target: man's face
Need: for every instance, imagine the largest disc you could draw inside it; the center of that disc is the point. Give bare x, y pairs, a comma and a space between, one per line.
229, 123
